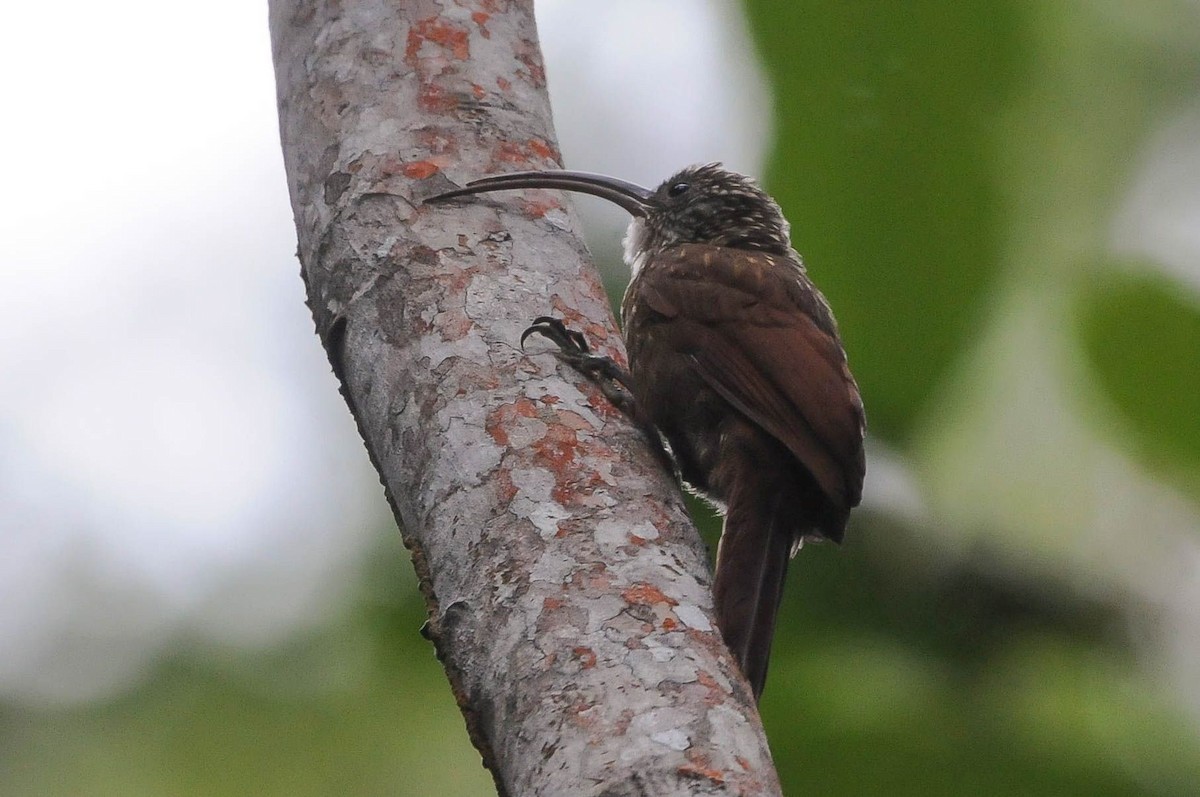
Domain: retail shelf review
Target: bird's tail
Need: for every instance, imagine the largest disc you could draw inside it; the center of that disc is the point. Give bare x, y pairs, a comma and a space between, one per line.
752, 561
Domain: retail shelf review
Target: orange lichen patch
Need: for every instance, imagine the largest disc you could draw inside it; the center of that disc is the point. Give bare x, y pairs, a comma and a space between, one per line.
592, 580
433, 99
420, 170
480, 18
579, 488
437, 30
456, 280
498, 420
528, 55
565, 494
572, 420
569, 315
580, 709
390, 165
495, 427
702, 773
599, 333
474, 376
539, 148
598, 401
700, 636
478, 91
714, 695
536, 208
669, 624
549, 401
647, 595
506, 491
659, 518
551, 603
437, 142
573, 492
700, 767
586, 656
596, 331
636, 540
504, 85
557, 447
455, 326
511, 152
743, 763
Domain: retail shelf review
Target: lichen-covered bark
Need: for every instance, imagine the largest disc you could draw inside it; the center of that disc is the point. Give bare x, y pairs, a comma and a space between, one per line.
568, 592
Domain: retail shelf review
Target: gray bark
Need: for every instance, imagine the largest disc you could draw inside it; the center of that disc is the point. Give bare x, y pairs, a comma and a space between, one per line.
568, 591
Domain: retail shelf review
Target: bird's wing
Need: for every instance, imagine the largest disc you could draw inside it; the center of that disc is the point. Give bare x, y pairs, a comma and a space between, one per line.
761, 336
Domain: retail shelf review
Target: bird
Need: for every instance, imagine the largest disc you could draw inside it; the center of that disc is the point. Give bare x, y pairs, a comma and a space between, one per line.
736, 366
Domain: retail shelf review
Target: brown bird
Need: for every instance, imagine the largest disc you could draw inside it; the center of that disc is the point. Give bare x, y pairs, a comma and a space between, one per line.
736, 364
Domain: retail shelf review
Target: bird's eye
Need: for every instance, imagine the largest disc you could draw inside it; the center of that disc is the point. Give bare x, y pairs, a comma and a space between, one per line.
678, 189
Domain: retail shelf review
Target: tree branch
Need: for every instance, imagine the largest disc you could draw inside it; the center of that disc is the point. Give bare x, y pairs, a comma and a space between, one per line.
568, 591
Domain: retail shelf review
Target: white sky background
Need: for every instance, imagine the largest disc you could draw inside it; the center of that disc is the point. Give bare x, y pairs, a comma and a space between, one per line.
175, 462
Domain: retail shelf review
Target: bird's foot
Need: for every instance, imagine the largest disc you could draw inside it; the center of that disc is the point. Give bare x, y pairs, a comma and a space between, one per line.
573, 349
613, 380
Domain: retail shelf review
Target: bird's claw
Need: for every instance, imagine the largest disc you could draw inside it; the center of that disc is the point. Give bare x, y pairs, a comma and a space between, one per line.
615, 382
573, 349
569, 341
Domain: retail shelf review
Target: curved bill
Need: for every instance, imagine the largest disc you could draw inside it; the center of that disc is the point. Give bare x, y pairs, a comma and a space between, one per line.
629, 196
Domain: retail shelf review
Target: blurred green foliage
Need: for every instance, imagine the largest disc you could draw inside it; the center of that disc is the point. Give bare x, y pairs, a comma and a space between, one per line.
894, 678
938, 162
362, 708
1142, 339
930, 155
882, 162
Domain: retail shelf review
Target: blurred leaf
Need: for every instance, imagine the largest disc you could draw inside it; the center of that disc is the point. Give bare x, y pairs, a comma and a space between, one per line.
361, 709
1045, 717
895, 675
883, 161
1141, 335
197, 731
